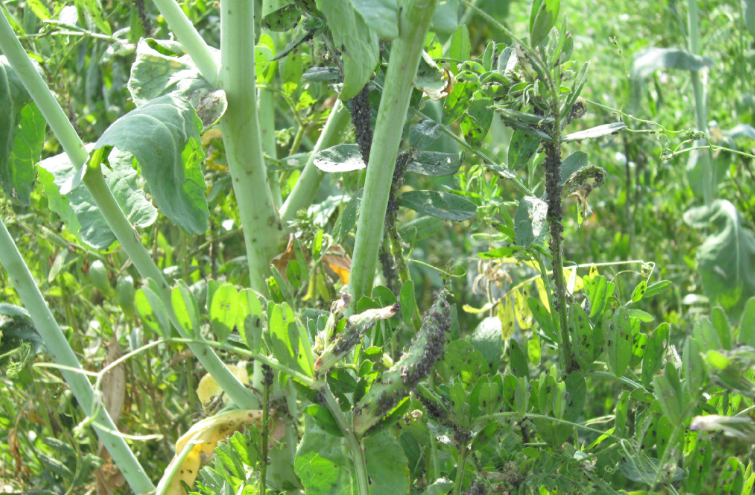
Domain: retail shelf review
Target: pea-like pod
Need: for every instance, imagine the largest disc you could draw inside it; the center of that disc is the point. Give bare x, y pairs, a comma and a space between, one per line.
413, 367
98, 276
124, 291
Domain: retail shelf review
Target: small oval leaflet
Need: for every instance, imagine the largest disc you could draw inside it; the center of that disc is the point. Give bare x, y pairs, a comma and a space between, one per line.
340, 158
439, 204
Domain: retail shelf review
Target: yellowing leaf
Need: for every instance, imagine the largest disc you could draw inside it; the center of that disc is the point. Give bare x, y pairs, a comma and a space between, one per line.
208, 387
543, 294
574, 282
594, 271
506, 315
203, 437
469, 309
523, 311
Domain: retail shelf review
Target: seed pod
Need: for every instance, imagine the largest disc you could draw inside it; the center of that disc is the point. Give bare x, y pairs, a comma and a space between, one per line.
412, 368
124, 291
98, 276
356, 327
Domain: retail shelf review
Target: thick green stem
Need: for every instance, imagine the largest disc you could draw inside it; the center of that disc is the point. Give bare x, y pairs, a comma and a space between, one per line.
63, 355
190, 39
306, 187
460, 470
141, 259
402, 68
243, 141
708, 171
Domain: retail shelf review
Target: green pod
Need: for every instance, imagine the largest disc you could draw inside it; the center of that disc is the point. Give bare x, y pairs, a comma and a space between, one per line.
405, 375
124, 292
98, 276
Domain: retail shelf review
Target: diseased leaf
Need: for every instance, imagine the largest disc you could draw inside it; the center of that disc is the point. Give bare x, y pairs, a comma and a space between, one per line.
530, 221
163, 135
224, 310
458, 101
617, 332
521, 149
283, 19
424, 134
357, 42
725, 259
439, 204
77, 208
476, 122
340, 158
435, 163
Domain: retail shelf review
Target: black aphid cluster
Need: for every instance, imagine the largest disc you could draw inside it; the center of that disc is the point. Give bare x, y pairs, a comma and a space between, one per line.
348, 339
552, 166
402, 162
477, 488
360, 117
267, 375
436, 323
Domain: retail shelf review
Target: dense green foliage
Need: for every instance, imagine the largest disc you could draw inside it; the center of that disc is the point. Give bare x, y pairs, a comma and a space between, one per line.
377, 246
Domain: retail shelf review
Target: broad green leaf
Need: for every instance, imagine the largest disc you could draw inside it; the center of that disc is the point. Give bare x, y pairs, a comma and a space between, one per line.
725, 259
521, 148
77, 208
380, 15
517, 360
699, 466
19, 117
407, 301
250, 319
25, 153
387, 465
439, 204
655, 350
156, 74
283, 19
424, 134
595, 132
264, 65
446, 17
224, 311
348, 218
186, 308
461, 48
542, 19
487, 339
530, 221
39, 8
656, 288
622, 410
617, 332
435, 163
582, 336
542, 316
322, 462
576, 390
340, 158
721, 324
357, 42
486, 396
476, 122
648, 61
668, 391
465, 361
458, 101
151, 310
746, 335
163, 136
322, 74
642, 469
573, 164
731, 477
597, 292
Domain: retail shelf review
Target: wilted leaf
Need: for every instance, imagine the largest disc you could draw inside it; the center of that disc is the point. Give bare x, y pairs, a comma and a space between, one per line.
340, 158
530, 221
209, 388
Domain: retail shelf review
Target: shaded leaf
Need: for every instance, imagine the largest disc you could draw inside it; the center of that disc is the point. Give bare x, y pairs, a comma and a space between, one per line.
530, 221
435, 163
